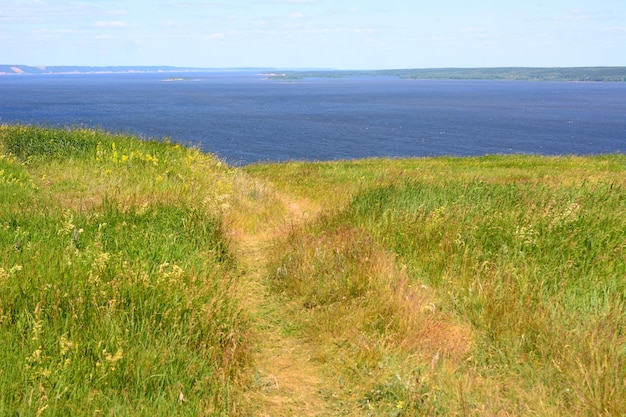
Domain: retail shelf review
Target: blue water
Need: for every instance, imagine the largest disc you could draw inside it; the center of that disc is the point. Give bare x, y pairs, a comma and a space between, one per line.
244, 118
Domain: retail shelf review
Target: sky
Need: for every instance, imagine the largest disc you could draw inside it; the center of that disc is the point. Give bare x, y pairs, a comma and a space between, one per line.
341, 34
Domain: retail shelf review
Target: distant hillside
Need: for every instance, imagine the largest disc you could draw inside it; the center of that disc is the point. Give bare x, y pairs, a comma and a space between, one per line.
605, 74
25, 69
601, 74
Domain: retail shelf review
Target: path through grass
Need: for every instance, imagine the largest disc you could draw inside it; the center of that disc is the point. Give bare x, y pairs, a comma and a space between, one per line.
143, 278
286, 379
462, 286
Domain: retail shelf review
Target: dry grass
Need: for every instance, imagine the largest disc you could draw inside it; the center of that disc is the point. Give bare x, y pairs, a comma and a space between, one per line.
284, 379
366, 318
479, 286
115, 278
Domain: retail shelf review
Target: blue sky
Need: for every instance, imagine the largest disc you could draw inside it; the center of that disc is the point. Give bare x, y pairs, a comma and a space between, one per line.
344, 34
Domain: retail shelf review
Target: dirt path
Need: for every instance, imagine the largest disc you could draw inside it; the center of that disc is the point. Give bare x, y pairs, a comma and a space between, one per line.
287, 381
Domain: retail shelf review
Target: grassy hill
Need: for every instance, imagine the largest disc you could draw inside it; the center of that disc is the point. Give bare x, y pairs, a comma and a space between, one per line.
145, 278
115, 277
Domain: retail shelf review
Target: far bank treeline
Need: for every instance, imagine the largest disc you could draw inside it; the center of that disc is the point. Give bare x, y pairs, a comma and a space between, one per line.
581, 74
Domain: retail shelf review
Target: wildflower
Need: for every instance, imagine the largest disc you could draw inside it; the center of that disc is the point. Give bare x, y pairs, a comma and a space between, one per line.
163, 267
569, 215
153, 159
37, 327
177, 271
143, 209
66, 345
35, 357
526, 235
16, 269
99, 152
115, 357
100, 263
115, 156
68, 224
572, 210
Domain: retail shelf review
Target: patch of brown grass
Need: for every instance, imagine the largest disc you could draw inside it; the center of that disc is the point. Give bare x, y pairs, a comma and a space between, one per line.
359, 306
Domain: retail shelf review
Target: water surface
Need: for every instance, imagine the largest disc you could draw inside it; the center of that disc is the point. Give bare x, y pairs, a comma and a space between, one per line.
244, 118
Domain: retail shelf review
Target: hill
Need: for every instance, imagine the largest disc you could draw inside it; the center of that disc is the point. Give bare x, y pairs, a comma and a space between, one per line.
67, 69
150, 279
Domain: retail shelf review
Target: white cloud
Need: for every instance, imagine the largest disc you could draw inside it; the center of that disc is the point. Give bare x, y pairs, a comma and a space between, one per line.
296, 15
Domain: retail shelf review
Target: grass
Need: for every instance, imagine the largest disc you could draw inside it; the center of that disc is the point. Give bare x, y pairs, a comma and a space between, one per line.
475, 286
115, 276
441, 286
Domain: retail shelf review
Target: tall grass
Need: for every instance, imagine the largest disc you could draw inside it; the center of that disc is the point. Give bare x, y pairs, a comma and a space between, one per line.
512, 283
445, 286
115, 278
538, 270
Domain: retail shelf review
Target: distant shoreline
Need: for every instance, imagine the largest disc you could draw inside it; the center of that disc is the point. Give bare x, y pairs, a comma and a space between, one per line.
75, 70
571, 74
576, 74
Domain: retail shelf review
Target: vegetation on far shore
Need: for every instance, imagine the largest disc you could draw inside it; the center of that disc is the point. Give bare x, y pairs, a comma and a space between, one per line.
581, 74
479, 286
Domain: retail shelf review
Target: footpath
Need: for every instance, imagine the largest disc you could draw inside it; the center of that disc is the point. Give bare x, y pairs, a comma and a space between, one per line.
287, 381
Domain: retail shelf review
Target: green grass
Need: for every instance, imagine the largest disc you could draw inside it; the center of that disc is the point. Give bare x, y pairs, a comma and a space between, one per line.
538, 272
115, 278
512, 277
439, 286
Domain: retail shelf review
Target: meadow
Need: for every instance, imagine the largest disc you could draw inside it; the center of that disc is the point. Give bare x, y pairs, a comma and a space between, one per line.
146, 278
462, 286
115, 276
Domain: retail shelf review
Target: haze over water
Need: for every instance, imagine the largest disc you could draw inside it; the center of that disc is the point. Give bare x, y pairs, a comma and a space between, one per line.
245, 118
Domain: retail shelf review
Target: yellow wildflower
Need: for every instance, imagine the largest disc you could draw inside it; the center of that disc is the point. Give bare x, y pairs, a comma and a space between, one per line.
115, 357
